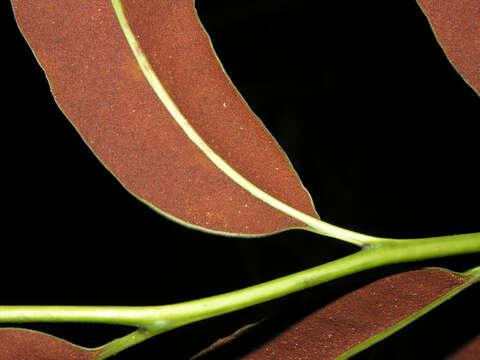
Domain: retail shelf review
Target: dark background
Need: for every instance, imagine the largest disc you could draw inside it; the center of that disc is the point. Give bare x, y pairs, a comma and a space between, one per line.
379, 126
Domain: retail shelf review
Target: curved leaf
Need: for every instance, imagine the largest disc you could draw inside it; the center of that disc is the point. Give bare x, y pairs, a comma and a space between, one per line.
363, 317
456, 24
17, 344
98, 84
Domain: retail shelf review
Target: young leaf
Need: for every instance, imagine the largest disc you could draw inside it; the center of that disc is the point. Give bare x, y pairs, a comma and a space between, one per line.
363, 317
16, 344
224, 341
196, 152
456, 24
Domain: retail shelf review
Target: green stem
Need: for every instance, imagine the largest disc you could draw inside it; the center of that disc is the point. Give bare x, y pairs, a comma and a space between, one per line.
375, 256
166, 317
169, 317
153, 320
125, 342
141, 335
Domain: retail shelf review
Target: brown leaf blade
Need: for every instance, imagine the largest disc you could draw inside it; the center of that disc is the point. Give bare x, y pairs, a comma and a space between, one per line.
98, 84
224, 341
363, 317
456, 24
470, 351
20, 344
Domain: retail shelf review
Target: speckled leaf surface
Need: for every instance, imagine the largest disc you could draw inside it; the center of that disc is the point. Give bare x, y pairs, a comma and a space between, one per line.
456, 24
99, 86
360, 319
23, 344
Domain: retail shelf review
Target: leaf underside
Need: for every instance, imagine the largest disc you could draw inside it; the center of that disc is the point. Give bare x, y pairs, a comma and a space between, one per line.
456, 24
470, 351
16, 344
360, 318
98, 84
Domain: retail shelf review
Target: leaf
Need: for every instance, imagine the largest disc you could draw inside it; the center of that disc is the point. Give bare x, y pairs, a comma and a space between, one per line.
456, 24
469, 352
363, 317
20, 344
225, 340
207, 172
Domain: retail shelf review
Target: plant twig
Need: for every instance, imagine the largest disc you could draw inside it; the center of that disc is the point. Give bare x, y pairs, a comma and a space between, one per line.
166, 317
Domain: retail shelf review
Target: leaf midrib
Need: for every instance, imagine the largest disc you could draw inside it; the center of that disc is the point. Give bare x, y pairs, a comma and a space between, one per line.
313, 224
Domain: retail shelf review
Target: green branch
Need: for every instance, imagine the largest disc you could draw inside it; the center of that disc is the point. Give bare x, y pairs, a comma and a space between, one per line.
153, 320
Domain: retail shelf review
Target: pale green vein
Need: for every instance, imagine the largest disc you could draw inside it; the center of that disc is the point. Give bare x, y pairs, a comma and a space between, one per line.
315, 225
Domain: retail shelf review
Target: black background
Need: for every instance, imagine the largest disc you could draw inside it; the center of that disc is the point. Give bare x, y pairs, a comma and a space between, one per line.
379, 126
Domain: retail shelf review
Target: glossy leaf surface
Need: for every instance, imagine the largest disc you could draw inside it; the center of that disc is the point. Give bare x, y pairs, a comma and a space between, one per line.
363, 317
20, 344
456, 24
98, 84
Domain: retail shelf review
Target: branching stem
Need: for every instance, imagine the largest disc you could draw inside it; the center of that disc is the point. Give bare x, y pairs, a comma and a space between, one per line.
157, 319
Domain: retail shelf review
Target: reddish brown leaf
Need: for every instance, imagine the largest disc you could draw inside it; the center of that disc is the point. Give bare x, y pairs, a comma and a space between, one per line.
456, 24
471, 351
99, 86
224, 341
23, 344
356, 317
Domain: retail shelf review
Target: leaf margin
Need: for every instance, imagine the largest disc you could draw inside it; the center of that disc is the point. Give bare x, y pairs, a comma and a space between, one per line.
313, 224
96, 353
445, 49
